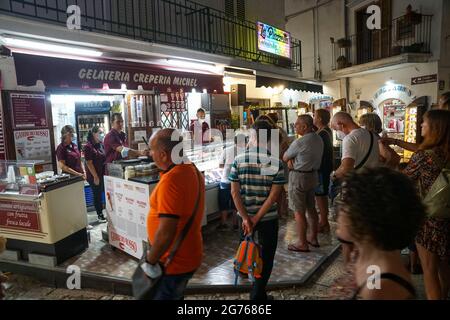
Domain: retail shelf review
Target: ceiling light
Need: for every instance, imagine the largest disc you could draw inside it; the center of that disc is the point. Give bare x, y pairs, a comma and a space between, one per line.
188, 64
48, 47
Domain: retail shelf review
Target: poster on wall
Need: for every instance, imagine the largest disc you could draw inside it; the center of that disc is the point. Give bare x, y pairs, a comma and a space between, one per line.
173, 101
33, 145
28, 110
2, 137
21, 215
127, 207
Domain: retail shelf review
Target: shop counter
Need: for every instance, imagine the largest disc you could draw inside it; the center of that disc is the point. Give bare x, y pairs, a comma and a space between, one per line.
52, 222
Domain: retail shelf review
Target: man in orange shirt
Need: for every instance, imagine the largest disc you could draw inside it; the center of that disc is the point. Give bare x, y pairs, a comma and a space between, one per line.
171, 205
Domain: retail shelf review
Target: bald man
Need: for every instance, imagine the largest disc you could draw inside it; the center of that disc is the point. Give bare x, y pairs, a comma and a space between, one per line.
306, 154
179, 195
357, 149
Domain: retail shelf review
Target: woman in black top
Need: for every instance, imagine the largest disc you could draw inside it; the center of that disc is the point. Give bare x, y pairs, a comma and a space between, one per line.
380, 212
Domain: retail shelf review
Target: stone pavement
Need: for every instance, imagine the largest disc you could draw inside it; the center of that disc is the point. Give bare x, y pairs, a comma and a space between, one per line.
334, 283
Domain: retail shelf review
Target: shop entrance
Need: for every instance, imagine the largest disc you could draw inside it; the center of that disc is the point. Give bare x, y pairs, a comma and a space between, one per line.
393, 113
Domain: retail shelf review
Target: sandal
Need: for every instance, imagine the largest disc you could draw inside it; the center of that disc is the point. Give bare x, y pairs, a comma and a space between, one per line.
294, 248
314, 245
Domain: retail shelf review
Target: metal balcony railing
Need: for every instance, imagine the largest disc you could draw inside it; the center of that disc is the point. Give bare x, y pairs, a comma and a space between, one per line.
406, 34
180, 23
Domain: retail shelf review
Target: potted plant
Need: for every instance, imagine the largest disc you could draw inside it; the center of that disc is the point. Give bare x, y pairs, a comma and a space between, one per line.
412, 16
342, 62
344, 43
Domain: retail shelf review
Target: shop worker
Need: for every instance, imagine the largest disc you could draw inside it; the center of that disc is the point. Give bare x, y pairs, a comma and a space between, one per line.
178, 196
94, 154
116, 144
69, 157
199, 127
257, 178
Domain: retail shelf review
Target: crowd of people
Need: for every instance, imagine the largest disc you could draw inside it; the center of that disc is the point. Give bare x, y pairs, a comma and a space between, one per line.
379, 202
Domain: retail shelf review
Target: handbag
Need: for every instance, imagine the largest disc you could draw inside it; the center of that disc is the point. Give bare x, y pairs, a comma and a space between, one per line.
335, 185
437, 199
144, 287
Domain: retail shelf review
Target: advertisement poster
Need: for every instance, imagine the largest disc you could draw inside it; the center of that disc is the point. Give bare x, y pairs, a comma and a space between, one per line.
127, 206
22, 215
273, 40
173, 101
33, 145
2, 137
28, 110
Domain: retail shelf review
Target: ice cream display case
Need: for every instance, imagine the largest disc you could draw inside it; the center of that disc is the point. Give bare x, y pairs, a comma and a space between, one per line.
40, 213
413, 120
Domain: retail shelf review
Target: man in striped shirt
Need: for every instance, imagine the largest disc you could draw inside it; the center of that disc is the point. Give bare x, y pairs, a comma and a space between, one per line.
257, 179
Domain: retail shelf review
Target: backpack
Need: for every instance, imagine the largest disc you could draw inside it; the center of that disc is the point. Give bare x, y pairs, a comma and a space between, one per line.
437, 200
248, 260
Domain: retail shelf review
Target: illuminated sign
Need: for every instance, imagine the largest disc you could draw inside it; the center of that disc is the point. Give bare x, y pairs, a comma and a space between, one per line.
273, 40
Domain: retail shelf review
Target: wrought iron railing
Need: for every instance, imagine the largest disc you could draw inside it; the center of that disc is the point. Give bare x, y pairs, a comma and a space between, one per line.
181, 23
406, 34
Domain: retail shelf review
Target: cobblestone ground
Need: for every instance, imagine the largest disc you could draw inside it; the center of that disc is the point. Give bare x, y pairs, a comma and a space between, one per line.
334, 283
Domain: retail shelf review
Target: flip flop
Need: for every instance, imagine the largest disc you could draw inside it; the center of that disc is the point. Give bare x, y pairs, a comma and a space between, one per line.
314, 245
294, 248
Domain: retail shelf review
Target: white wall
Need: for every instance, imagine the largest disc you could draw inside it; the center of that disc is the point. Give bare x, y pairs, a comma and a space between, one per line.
8, 73
329, 21
369, 84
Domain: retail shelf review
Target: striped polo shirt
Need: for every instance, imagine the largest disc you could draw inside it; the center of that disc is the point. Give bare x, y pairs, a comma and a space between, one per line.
256, 171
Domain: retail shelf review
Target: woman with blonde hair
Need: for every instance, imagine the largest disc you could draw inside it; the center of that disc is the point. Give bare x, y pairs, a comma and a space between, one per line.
433, 239
372, 122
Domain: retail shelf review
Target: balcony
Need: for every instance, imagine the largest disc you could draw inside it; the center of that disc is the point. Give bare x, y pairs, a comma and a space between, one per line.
407, 39
180, 23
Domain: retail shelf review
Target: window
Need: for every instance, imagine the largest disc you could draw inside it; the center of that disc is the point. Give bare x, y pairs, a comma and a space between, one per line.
229, 8
240, 9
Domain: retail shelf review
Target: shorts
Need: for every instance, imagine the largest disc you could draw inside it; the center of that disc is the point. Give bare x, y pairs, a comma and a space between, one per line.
324, 184
301, 190
225, 200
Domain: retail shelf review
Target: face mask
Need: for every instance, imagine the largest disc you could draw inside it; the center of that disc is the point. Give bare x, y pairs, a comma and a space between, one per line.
201, 121
364, 127
101, 137
124, 152
340, 135
74, 139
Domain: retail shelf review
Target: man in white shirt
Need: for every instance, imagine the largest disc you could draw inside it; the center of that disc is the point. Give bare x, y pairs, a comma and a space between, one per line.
356, 151
359, 150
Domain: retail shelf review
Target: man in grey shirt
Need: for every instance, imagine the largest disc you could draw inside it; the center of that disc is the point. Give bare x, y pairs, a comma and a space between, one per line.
305, 155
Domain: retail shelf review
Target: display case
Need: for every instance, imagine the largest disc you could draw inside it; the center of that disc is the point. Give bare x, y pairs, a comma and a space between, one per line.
19, 177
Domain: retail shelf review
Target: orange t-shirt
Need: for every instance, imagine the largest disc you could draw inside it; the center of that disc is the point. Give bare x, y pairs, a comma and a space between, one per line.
175, 196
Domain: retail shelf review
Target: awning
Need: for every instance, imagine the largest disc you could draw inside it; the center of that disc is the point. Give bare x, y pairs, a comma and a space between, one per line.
80, 74
288, 84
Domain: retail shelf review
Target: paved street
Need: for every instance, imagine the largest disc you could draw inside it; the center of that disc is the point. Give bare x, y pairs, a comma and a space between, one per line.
334, 283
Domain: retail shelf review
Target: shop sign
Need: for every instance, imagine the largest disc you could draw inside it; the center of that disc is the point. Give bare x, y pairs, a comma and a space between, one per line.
397, 91
28, 110
424, 79
274, 40
33, 145
315, 99
69, 73
21, 215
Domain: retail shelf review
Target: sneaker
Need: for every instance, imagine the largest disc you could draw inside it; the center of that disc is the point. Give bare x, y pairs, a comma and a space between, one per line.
101, 219
89, 227
222, 227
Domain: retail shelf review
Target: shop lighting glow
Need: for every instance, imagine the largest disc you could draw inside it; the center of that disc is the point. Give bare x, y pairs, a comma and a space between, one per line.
190, 65
57, 98
48, 47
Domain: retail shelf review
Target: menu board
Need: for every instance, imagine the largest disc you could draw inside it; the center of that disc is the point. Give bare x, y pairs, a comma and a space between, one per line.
28, 110
173, 101
127, 206
33, 145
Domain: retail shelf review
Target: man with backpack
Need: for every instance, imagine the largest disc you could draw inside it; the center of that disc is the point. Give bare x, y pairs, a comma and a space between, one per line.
257, 179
